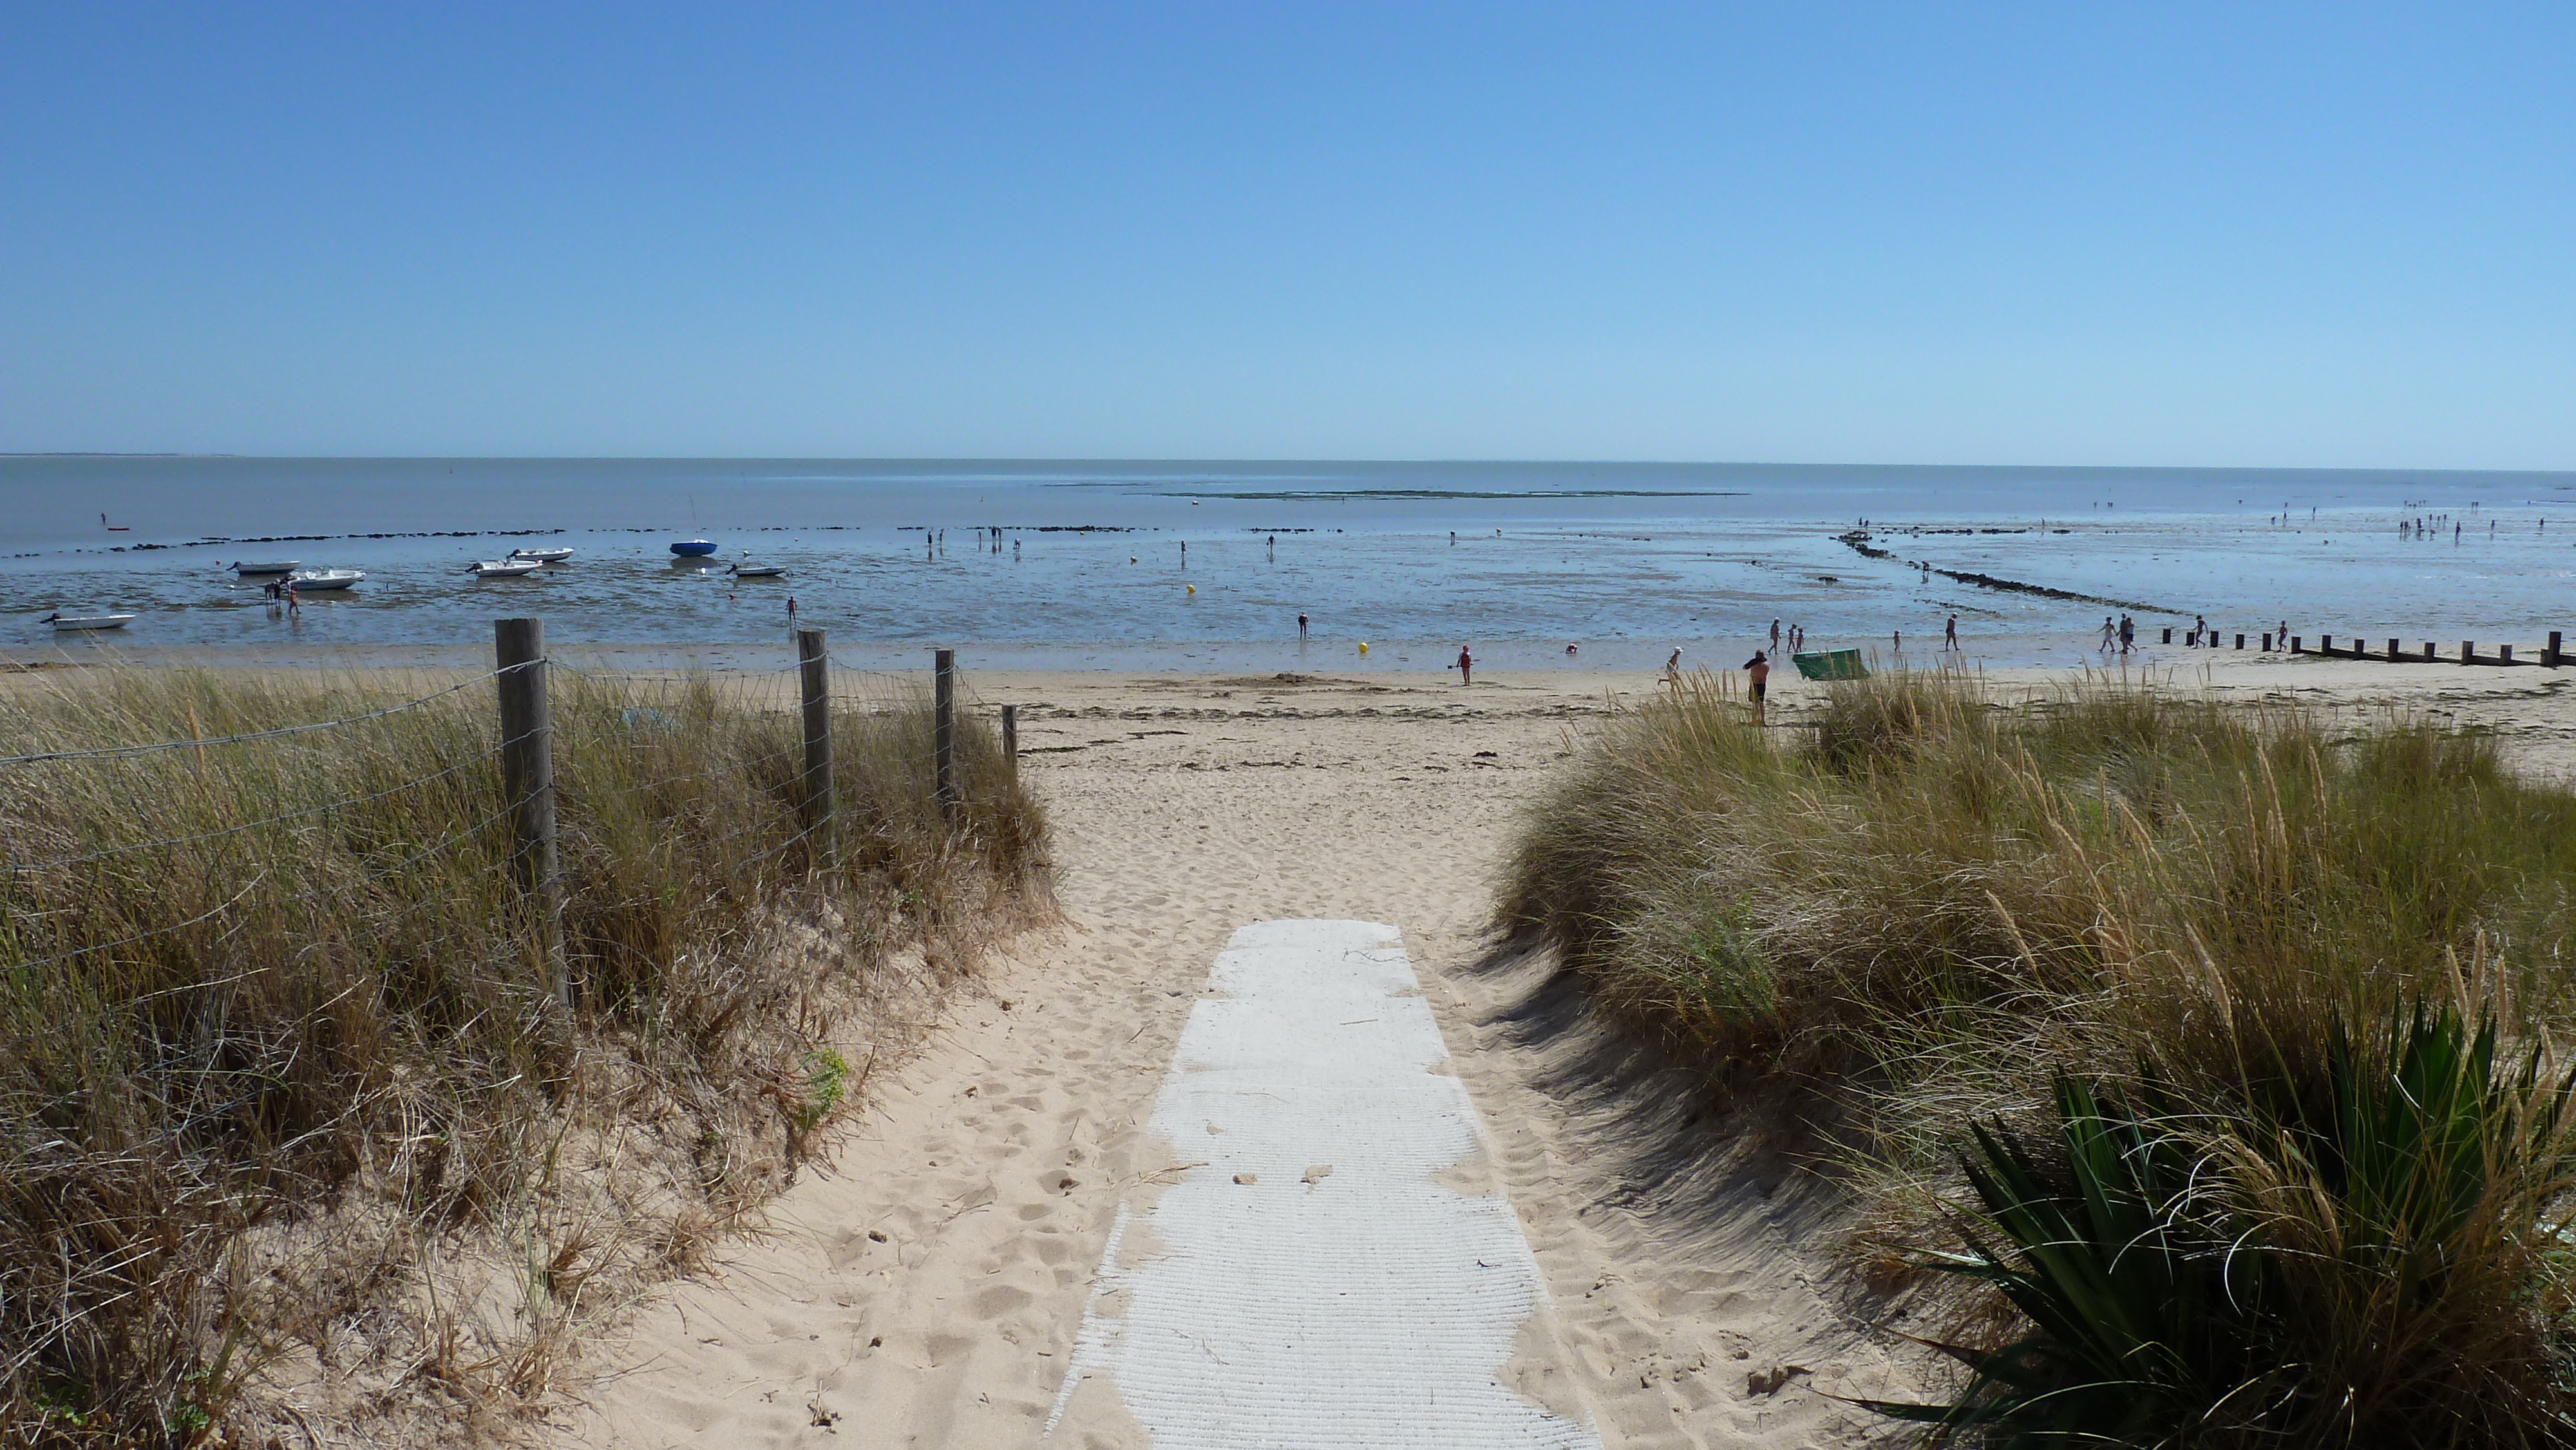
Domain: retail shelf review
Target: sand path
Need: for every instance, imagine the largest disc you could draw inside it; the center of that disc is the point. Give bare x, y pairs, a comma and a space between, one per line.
928, 1288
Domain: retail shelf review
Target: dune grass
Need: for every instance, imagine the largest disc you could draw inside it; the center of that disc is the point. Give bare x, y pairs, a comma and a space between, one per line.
2250, 1005
275, 1031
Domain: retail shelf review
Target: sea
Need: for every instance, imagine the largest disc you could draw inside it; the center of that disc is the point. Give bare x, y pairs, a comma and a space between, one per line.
1210, 566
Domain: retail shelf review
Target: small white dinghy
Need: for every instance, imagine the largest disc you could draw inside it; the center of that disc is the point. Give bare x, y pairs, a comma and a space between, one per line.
505, 568
87, 621
308, 580
542, 556
758, 571
274, 566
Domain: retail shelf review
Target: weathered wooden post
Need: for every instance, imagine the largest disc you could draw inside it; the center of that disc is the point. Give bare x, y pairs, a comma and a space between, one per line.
814, 667
2168, 634
2431, 652
2504, 654
1011, 739
2325, 644
2240, 641
943, 717
2468, 652
2549, 654
2294, 644
2394, 652
528, 780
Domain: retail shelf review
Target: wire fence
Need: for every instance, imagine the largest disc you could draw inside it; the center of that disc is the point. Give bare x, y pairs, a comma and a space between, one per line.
172, 830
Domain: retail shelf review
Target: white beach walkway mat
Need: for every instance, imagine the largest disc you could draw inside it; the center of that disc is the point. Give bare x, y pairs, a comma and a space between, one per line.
1314, 1279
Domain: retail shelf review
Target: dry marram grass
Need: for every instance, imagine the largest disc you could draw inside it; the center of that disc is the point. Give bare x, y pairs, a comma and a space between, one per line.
293, 1126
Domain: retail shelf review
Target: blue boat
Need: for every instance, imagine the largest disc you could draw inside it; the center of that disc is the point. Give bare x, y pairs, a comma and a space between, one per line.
693, 548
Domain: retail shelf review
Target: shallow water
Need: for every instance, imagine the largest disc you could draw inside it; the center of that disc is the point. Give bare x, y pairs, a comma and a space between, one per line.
1628, 561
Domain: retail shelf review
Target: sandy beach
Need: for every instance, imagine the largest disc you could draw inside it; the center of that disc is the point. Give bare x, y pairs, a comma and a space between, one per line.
926, 1288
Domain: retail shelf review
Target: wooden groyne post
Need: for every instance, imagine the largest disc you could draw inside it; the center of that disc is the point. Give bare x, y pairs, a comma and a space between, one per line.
814, 671
1011, 739
528, 780
943, 716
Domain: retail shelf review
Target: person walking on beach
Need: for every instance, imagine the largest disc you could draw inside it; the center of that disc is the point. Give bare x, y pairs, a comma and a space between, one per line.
1673, 667
1466, 666
1758, 670
1775, 636
2110, 634
2128, 634
791, 611
1950, 634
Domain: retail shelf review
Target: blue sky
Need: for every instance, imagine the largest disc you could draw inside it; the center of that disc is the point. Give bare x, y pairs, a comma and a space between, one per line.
2335, 235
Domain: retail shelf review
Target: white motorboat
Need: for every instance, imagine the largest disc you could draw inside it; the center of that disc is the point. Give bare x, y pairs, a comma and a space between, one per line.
87, 621
274, 566
542, 556
758, 571
505, 568
306, 581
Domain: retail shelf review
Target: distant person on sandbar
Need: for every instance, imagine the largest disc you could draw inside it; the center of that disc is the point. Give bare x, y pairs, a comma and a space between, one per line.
1301, 626
1569, 651
1466, 666
1758, 670
1898, 638
2110, 634
1950, 634
1673, 667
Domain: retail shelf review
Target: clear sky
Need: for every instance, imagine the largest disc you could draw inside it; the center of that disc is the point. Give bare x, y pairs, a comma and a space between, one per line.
2336, 235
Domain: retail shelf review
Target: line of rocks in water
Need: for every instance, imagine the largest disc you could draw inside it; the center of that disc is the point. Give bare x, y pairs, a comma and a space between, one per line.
1858, 539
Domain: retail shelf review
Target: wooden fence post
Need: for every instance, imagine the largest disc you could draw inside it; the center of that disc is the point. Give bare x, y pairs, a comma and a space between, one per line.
2394, 652
943, 705
2550, 656
1011, 738
2468, 652
814, 667
528, 780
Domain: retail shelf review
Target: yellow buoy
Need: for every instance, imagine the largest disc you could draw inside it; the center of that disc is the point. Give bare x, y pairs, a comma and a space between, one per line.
1363, 646
1191, 587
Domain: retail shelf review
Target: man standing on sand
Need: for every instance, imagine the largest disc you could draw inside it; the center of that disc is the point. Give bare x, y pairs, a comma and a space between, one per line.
1950, 634
1758, 669
1466, 665
1775, 636
2128, 634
